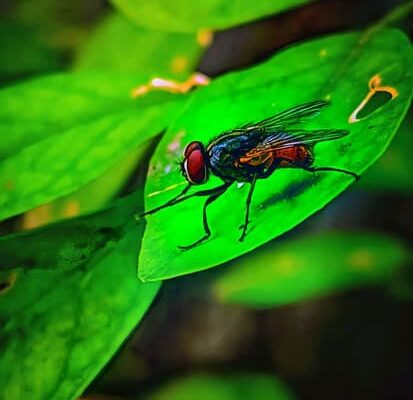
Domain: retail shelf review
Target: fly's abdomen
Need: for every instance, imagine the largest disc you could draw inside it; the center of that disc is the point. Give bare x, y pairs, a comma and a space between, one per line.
297, 156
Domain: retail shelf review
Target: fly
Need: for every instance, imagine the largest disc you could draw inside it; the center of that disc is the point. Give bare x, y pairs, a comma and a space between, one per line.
251, 152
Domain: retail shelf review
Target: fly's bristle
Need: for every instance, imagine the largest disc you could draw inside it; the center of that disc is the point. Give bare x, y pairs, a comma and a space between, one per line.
180, 165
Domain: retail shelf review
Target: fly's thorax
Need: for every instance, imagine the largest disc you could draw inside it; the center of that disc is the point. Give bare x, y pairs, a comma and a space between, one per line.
224, 153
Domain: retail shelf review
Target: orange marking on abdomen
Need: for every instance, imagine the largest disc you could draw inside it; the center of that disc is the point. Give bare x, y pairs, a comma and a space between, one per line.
292, 154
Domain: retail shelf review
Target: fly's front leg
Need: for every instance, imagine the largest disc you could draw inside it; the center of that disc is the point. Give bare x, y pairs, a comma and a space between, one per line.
247, 211
169, 203
181, 197
214, 194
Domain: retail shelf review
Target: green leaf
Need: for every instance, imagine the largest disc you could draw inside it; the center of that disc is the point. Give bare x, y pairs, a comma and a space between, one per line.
393, 171
75, 128
89, 198
119, 45
309, 266
187, 16
338, 68
69, 297
43, 107
223, 387
22, 53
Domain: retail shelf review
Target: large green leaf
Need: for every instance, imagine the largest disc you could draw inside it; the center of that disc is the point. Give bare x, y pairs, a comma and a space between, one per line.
43, 107
223, 387
338, 68
393, 171
187, 16
68, 299
309, 266
89, 198
75, 127
119, 45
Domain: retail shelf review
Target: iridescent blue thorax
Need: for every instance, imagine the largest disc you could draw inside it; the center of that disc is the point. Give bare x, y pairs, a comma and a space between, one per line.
225, 151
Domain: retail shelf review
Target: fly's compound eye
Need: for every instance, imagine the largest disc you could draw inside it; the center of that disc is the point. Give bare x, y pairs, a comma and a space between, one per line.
195, 164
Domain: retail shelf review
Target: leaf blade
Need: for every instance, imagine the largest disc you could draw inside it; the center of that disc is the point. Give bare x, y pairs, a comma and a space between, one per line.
184, 16
339, 68
119, 45
72, 299
67, 140
225, 387
309, 266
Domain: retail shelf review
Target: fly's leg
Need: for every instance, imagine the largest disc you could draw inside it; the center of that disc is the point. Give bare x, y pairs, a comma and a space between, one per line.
344, 171
274, 165
169, 203
262, 175
214, 194
247, 211
180, 198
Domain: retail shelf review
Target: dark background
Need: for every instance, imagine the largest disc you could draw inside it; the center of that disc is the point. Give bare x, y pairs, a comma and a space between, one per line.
353, 345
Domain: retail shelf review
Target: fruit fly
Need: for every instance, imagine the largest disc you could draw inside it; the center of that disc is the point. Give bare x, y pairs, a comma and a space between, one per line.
250, 152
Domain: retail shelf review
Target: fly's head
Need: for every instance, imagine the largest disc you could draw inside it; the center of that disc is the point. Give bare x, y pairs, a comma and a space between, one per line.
194, 165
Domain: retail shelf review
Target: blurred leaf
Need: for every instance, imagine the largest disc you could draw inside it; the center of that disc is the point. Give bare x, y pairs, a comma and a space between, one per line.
119, 45
89, 198
310, 266
39, 108
60, 25
73, 130
187, 16
22, 53
393, 171
68, 245
68, 299
339, 68
61, 164
223, 387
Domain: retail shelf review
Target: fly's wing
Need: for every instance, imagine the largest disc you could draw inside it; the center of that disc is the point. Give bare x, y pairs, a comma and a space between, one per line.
284, 140
277, 123
290, 117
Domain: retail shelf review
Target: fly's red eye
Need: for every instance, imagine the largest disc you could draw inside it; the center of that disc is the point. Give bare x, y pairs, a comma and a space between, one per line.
191, 147
194, 164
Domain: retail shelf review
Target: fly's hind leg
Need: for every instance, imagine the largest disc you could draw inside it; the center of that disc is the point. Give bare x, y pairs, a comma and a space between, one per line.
214, 194
343, 171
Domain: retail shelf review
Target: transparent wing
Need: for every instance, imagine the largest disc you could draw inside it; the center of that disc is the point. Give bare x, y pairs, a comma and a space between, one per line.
283, 140
290, 117
277, 123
